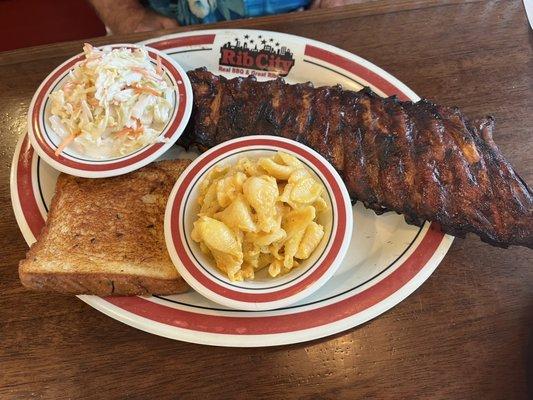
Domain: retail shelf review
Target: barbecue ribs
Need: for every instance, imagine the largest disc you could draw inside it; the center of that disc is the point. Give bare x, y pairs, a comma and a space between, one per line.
425, 161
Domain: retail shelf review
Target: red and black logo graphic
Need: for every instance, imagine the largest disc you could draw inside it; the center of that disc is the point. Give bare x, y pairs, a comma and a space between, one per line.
261, 54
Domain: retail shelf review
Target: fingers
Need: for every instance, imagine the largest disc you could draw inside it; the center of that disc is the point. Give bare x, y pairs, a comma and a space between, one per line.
153, 22
169, 23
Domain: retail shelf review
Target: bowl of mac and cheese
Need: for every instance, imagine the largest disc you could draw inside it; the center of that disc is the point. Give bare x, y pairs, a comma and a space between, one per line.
259, 222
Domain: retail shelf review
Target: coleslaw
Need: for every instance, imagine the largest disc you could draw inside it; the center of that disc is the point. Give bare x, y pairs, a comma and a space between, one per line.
114, 102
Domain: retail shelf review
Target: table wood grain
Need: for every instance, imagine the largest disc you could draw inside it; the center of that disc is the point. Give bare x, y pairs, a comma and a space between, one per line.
465, 334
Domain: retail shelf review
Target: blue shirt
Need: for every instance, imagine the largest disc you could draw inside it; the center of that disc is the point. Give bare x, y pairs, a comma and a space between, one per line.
188, 12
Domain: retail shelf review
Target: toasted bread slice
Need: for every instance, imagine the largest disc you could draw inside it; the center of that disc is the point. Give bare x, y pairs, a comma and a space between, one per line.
106, 237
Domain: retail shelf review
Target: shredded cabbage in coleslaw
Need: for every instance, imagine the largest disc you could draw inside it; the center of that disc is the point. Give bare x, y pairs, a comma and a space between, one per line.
114, 102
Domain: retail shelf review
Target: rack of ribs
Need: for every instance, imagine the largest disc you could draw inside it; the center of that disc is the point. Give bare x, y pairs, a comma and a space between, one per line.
425, 161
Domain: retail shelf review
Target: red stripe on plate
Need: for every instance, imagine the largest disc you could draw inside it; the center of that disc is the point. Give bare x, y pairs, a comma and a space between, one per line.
28, 202
284, 291
183, 41
351, 66
292, 322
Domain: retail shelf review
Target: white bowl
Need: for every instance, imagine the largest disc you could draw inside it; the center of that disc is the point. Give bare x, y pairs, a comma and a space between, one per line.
262, 293
45, 141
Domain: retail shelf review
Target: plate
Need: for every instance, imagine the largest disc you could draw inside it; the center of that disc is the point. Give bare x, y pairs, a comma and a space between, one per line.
264, 292
386, 261
46, 141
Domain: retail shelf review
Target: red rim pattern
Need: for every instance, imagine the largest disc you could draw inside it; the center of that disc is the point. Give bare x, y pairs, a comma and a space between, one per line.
284, 292
291, 322
30, 209
171, 128
184, 41
348, 65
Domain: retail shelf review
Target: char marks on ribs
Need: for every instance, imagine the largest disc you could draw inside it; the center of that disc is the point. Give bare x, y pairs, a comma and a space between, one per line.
425, 161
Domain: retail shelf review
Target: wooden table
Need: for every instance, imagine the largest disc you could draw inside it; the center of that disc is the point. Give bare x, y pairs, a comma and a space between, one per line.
465, 334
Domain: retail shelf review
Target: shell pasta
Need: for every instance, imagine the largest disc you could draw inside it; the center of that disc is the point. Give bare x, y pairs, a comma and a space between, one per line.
259, 214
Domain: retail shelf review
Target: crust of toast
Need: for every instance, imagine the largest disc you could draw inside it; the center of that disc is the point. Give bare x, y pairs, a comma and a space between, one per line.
102, 284
106, 236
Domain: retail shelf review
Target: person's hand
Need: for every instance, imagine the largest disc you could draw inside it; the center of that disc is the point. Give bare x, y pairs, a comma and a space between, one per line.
152, 21
126, 16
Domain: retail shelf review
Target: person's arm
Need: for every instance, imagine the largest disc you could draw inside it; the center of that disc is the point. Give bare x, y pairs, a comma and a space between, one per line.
126, 16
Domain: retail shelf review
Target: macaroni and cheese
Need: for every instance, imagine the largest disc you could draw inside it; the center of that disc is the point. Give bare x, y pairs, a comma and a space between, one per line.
259, 214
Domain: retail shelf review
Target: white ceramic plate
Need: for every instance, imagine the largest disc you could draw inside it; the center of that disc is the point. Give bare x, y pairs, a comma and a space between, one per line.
387, 258
45, 141
263, 293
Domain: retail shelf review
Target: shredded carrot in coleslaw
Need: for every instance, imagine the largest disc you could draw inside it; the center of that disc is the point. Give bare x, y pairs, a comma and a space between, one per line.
66, 141
159, 68
141, 89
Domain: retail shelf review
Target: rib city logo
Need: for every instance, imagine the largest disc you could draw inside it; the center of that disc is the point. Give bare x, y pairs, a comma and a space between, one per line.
260, 54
